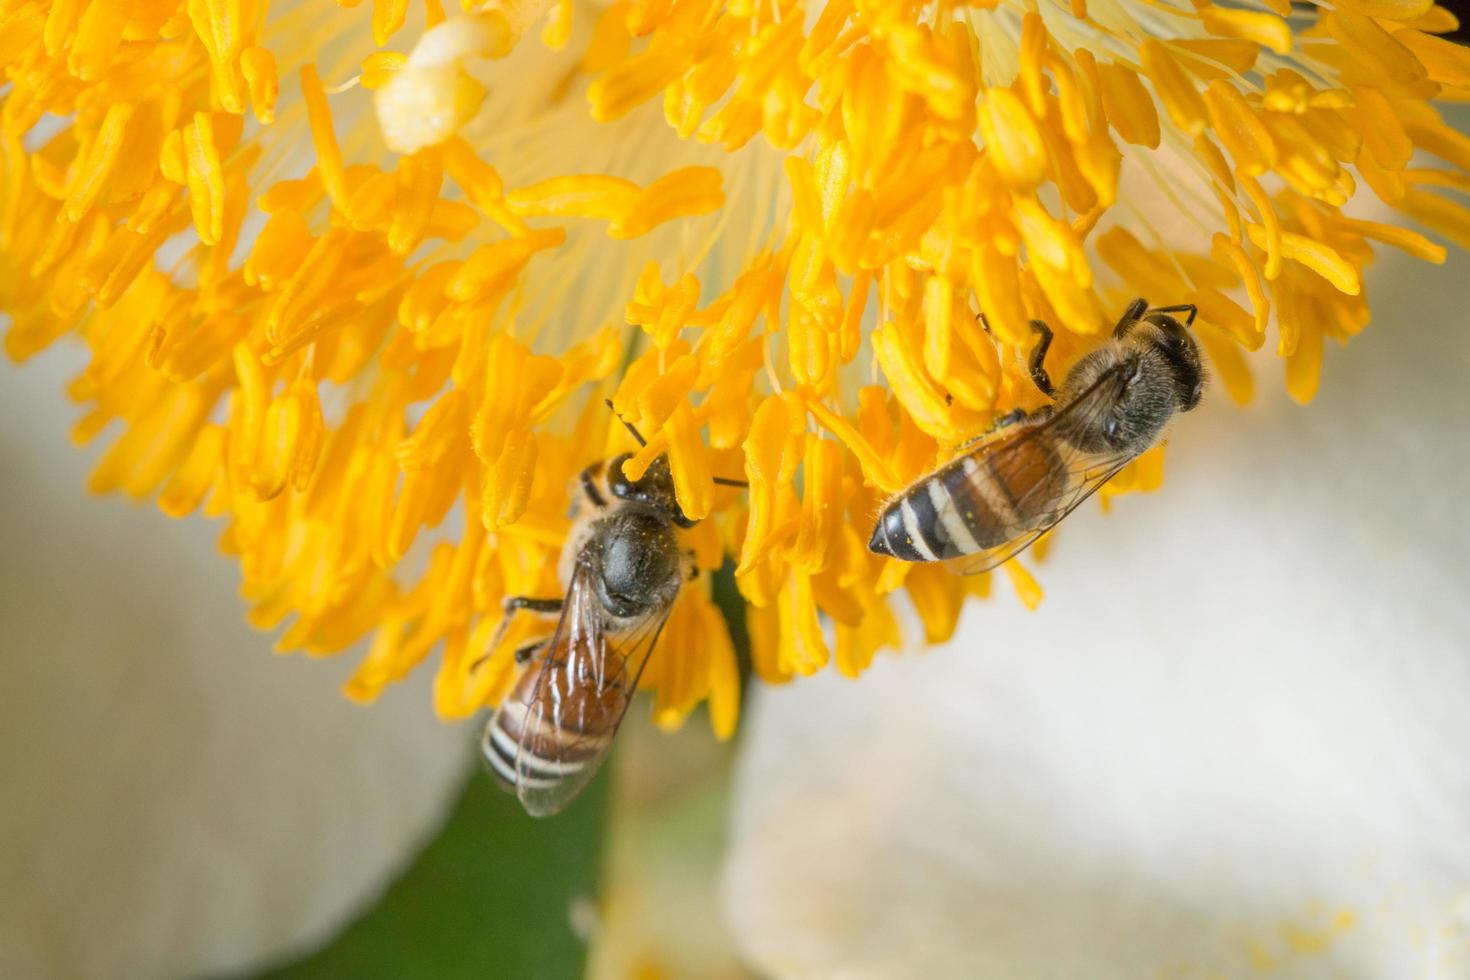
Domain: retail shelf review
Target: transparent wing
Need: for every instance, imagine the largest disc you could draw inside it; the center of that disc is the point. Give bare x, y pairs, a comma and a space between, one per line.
587, 680
984, 561
1083, 488
1084, 472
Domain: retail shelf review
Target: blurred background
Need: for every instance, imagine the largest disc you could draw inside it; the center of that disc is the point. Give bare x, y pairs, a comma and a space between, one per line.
1232, 742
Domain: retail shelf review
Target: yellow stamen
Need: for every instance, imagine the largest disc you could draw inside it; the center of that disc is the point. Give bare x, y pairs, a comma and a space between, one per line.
806, 240
259, 68
1175, 88
328, 157
1012, 139
88, 182
1317, 256
1129, 106
1267, 30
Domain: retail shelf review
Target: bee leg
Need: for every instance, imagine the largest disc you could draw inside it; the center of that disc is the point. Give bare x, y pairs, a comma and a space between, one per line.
512, 605
1136, 309
1038, 371
1009, 418
1038, 359
693, 568
527, 653
1189, 308
515, 602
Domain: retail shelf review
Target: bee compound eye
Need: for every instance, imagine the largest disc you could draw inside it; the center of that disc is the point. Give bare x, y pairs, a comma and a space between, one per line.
619, 484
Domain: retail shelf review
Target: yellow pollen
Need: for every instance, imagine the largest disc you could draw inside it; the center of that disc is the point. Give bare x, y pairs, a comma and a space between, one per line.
371, 322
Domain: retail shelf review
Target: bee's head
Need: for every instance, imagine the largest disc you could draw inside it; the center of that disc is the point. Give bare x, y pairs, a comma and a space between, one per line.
1181, 353
655, 488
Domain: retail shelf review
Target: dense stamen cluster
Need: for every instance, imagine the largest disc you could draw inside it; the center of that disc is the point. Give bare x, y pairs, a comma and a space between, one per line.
384, 370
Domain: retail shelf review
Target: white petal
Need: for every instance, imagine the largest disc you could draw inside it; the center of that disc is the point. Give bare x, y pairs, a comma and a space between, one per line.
177, 800
1236, 736
659, 908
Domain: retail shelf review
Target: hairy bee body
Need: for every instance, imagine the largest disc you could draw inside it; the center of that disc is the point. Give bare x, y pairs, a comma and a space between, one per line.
622, 569
997, 497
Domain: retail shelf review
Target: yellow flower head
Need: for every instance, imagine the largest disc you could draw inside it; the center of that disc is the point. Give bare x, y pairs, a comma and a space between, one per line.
359, 280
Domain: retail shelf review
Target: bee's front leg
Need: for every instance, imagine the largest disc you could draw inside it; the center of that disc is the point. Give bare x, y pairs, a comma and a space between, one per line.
1190, 309
1135, 311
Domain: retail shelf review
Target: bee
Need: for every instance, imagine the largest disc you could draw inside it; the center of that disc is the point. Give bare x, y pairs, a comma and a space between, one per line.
1013, 484
622, 567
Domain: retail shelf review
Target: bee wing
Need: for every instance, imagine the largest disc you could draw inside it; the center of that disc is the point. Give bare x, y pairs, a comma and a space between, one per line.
586, 682
1085, 472
984, 561
1084, 487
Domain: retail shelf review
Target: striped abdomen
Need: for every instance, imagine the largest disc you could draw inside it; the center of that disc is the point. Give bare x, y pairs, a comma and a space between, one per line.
546, 734
981, 500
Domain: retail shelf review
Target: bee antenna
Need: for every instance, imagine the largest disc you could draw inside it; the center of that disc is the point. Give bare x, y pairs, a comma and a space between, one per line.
722, 481
629, 425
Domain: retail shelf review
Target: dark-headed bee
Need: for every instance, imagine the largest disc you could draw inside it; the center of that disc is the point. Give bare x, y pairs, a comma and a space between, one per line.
622, 566
1015, 483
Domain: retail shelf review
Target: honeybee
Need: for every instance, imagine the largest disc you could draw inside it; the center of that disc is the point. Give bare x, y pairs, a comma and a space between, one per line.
1013, 484
622, 566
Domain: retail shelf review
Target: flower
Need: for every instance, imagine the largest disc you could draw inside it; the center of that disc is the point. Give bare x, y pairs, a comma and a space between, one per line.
763, 228
1246, 760
176, 805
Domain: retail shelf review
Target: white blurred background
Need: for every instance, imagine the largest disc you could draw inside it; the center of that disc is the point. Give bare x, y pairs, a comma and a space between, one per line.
177, 800
1234, 740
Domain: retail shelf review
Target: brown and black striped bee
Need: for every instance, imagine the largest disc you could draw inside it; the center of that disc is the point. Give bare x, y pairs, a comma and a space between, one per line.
622, 566
1015, 483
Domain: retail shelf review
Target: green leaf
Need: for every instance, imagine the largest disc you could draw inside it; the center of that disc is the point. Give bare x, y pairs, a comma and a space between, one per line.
490, 897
